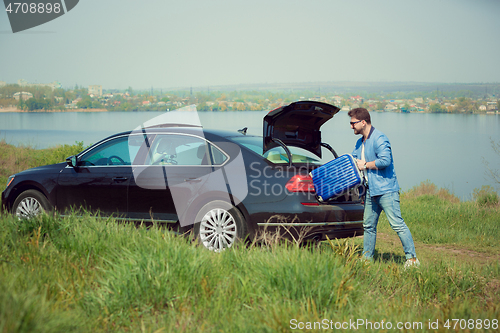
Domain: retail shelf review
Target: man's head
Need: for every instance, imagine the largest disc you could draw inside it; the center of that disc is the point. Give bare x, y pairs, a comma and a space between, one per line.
360, 120
360, 114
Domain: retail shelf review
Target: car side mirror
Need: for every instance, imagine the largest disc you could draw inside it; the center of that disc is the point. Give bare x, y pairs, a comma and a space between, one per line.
72, 161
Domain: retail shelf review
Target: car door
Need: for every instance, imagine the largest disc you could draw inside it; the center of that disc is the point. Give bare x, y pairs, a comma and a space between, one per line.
100, 179
172, 175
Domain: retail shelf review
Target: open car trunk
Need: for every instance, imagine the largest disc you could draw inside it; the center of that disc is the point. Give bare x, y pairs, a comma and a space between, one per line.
297, 124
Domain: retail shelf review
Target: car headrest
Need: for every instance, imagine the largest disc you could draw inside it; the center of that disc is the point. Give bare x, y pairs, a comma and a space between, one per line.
202, 150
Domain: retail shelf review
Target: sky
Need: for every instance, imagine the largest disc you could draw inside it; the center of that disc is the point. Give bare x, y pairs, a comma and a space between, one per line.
198, 43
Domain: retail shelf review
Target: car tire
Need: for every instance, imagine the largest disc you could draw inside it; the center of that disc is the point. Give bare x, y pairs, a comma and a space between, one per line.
30, 203
221, 226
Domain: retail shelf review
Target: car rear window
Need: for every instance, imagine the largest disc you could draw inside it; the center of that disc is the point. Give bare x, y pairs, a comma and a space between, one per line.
277, 155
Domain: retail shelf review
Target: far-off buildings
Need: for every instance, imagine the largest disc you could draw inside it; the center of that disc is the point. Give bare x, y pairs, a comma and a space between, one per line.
24, 95
95, 90
52, 85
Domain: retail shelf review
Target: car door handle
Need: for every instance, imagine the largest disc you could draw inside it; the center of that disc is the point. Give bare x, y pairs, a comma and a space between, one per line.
192, 180
119, 179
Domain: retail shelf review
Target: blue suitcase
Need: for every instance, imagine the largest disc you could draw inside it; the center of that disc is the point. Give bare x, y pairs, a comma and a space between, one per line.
336, 177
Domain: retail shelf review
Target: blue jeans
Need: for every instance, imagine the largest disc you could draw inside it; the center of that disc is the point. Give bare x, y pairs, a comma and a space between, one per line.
389, 203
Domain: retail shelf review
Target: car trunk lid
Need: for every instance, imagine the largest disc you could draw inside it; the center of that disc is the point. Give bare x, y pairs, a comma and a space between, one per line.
297, 124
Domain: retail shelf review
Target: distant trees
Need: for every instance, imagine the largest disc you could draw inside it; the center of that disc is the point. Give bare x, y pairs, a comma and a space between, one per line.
33, 104
88, 103
466, 105
202, 107
69, 96
437, 108
380, 106
6, 101
9, 90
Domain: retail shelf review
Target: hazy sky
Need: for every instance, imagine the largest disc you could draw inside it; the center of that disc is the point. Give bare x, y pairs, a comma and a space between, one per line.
165, 43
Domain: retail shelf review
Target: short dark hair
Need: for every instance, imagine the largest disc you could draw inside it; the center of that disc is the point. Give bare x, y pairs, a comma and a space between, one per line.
360, 114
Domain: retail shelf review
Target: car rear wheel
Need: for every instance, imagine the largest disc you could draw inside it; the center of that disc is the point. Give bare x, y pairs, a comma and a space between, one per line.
221, 226
30, 203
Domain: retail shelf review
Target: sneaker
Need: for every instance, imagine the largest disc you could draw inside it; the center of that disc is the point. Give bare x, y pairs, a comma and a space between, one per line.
366, 261
413, 262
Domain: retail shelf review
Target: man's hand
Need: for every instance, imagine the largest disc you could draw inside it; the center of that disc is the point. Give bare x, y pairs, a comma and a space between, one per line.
361, 164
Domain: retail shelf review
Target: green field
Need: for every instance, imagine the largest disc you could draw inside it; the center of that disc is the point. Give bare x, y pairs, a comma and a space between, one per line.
82, 274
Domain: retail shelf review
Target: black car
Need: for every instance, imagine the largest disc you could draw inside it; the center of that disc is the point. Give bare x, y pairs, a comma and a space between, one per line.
226, 185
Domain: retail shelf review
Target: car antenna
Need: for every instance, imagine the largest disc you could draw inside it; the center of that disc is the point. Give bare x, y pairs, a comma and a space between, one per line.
243, 130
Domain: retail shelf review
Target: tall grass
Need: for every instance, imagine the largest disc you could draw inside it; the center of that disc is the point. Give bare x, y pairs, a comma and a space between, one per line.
15, 159
97, 275
436, 216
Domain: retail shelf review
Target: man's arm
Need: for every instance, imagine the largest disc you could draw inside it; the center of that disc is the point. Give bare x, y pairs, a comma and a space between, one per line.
362, 164
383, 152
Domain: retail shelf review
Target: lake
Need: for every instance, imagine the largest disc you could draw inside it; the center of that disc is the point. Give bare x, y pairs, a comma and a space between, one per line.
450, 150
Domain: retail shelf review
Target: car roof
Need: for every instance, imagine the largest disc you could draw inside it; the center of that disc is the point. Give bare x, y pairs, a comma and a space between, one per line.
210, 134
191, 130
180, 129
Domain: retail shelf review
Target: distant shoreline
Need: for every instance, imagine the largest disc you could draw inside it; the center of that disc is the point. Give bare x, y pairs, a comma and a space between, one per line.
15, 109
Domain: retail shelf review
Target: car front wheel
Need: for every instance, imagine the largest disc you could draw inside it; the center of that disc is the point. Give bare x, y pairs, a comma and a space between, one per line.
221, 226
30, 203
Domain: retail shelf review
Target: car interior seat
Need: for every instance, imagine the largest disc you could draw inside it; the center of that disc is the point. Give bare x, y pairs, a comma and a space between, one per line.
202, 154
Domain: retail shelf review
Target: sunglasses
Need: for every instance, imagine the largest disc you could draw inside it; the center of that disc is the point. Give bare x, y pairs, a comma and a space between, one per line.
354, 122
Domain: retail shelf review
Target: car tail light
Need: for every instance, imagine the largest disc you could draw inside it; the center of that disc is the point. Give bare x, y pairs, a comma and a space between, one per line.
300, 183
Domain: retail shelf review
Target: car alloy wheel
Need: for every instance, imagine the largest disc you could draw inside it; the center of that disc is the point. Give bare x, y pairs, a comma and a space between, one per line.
30, 203
221, 226
28, 207
218, 229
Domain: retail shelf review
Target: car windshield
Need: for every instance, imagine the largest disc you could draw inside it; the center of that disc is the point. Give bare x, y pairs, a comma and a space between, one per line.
277, 155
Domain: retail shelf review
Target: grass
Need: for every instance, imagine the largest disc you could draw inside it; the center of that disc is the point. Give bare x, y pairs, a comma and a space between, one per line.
61, 274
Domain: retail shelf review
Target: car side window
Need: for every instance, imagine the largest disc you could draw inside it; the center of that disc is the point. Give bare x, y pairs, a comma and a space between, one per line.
175, 149
113, 152
217, 156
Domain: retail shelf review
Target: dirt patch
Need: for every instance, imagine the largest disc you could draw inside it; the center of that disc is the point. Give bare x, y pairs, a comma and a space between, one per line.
437, 252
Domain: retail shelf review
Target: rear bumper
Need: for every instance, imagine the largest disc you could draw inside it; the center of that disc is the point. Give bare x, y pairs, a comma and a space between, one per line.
316, 231
308, 224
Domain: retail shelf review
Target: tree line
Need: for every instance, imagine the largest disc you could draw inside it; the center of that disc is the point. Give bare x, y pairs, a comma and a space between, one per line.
46, 98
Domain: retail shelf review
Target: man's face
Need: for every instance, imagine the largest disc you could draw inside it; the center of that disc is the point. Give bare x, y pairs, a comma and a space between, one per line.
357, 125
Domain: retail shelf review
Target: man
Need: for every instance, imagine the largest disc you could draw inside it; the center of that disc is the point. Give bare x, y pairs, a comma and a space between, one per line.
374, 159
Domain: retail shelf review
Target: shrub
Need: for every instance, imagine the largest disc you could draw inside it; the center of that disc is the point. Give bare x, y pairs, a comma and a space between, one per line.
430, 189
485, 196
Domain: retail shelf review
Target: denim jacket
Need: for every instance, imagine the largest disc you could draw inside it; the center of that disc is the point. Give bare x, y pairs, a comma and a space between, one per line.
378, 149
